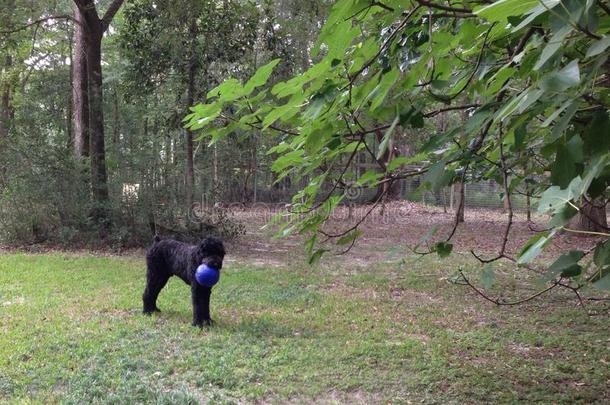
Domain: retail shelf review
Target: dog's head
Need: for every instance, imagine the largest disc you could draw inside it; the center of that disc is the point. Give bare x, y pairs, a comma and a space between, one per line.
211, 251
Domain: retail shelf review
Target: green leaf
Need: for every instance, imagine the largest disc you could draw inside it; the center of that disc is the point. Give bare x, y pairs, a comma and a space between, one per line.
310, 244
556, 113
349, 238
560, 81
383, 145
563, 216
434, 178
565, 266
565, 120
598, 47
487, 276
601, 255
592, 171
555, 197
315, 258
596, 134
496, 82
540, 9
383, 88
564, 168
443, 249
370, 177
404, 160
281, 112
534, 247
604, 282
553, 46
228, 90
260, 77
502, 9
287, 160
520, 103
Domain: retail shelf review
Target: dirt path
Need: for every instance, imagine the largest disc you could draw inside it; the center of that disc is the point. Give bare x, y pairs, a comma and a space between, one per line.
389, 233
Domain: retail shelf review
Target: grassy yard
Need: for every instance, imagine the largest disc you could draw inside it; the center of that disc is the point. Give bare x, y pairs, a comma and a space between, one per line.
71, 331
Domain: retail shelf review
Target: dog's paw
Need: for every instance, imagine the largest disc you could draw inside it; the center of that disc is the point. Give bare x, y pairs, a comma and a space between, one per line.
151, 311
205, 322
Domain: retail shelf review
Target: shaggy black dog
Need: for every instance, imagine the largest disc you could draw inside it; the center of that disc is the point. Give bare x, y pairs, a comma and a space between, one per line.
168, 258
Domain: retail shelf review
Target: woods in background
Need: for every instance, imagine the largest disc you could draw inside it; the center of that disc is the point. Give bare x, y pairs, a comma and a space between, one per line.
93, 97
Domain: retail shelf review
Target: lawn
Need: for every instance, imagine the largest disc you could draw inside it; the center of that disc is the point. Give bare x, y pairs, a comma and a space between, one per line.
71, 331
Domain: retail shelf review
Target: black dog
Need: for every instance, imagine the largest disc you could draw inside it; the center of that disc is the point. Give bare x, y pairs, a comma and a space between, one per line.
168, 258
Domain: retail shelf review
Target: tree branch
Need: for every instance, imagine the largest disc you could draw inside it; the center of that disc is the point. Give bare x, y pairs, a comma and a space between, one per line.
499, 301
38, 22
430, 4
110, 12
457, 107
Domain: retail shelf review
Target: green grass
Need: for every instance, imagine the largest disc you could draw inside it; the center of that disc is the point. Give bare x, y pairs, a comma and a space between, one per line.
71, 331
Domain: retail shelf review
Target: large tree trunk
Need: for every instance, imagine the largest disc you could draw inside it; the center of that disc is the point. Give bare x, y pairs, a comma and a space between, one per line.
92, 28
592, 217
97, 151
80, 98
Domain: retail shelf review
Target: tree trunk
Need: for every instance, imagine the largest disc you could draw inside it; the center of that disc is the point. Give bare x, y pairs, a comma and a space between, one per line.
190, 96
5, 102
215, 186
97, 150
505, 204
89, 33
190, 166
116, 125
592, 217
69, 101
459, 201
80, 98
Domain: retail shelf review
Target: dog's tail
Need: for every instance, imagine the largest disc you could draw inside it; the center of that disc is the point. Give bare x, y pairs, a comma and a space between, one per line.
156, 239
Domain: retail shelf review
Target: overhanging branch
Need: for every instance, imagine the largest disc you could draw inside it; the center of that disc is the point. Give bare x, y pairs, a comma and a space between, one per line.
38, 22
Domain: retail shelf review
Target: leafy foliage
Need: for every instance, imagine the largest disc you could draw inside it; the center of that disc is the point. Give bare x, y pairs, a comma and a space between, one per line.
531, 76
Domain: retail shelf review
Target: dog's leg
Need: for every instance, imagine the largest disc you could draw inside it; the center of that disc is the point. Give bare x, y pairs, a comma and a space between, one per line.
201, 304
155, 281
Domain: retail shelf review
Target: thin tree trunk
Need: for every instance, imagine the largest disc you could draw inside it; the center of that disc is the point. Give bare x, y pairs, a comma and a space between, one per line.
69, 101
459, 201
215, 191
80, 97
528, 203
255, 170
6, 115
190, 166
190, 96
116, 125
5, 112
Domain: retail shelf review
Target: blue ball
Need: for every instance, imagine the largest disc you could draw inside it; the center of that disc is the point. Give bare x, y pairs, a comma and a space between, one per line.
207, 276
